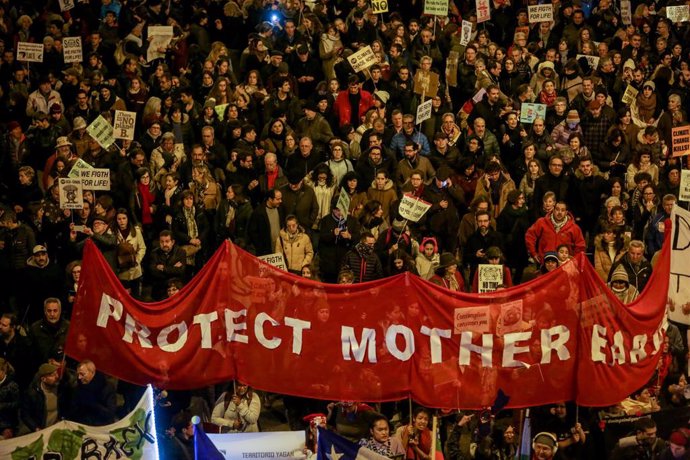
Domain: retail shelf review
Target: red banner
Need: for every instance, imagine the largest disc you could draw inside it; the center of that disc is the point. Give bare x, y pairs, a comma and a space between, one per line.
560, 337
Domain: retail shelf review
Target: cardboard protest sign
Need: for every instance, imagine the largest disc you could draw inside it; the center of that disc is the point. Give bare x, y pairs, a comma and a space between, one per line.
413, 208
629, 95
30, 52
426, 83
343, 201
423, 111
530, 112
379, 6
465, 33
540, 13
490, 277
452, 68
95, 179
680, 140
483, 11
78, 166
592, 61
66, 5
277, 260
102, 132
684, 193
362, 59
626, 12
71, 49
159, 38
436, 7
679, 13
123, 125
71, 196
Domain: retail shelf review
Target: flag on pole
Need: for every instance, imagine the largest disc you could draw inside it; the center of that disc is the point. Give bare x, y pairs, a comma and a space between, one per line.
525, 439
204, 449
335, 447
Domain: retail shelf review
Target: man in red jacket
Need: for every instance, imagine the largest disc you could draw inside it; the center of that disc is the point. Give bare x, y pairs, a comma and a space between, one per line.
352, 103
549, 232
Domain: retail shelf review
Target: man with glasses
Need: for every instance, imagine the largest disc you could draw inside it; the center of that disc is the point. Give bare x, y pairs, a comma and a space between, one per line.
413, 162
553, 181
374, 161
541, 139
409, 133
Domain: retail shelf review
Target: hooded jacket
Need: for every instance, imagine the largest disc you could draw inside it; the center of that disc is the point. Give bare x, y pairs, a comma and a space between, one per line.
297, 248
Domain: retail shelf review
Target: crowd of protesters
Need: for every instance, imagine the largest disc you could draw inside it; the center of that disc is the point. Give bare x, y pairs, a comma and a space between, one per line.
250, 126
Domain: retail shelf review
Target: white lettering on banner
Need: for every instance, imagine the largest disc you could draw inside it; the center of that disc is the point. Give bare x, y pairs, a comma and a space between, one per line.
548, 344
261, 319
231, 328
367, 345
204, 321
435, 336
467, 347
510, 348
134, 327
298, 327
72, 49
162, 338
540, 13
679, 282
29, 52
391, 335
637, 353
601, 349
109, 308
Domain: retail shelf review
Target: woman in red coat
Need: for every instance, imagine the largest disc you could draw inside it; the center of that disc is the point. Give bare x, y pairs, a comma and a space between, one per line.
447, 274
343, 105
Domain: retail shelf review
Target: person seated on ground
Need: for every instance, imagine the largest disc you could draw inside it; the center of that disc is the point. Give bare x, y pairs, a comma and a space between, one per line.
379, 439
238, 411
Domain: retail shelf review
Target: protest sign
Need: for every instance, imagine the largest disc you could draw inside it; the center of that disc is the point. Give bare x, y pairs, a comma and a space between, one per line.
490, 277
159, 39
423, 111
679, 13
102, 132
483, 11
478, 96
626, 12
426, 83
679, 284
220, 110
71, 49
343, 201
436, 7
413, 208
465, 33
95, 179
540, 13
30, 52
592, 61
629, 95
452, 68
123, 125
684, 193
132, 437
362, 59
277, 260
80, 164
379, 6
475, 319
680, 140
71, 196
276, 445
530, 112
66, 5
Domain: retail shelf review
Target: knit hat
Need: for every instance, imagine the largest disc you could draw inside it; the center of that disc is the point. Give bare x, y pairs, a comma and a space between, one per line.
573, 117
383, 96
619, 274
650, 84
551, 255
79, 123
629, 64
680, 437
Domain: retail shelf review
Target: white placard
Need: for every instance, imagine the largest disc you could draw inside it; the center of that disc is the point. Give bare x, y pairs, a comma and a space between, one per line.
102, 132
684, 193
483, 11
466, 33
66, 5
490, 277
679, 277
679, 13
540, 13
72, 50
629, 95
593, 61
95, 179
362, 59
29, 52
277, 260
436, 7
71, 196
274, 445
159, 38
343, 203
123, 124
78, 166
478, 96
412, 208
626, 12
379, 6
423, 111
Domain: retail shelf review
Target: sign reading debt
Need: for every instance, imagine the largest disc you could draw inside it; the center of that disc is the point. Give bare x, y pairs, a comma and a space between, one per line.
71, 49
362, 59
277, 260
540, 13
678, 13
379, 6
412, 208
123, 125
71, 196
436, 7
29, 52
680, 138
102, 132
95, 178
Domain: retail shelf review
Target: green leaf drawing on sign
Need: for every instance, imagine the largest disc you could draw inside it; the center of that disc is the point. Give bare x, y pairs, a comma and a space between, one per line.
67, 442
133, 442
32, 451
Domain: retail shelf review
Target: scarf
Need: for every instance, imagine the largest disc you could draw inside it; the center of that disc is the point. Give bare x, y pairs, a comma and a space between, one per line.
271, 178
646, 106
189, 214
146, 201
450, 282
548, 99
558, 225
611, 249
364, 250
380, 448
